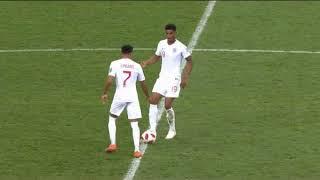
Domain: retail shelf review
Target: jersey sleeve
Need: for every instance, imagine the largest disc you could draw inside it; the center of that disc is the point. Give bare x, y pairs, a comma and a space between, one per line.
141, 76
112, 70
158, 51
185, 52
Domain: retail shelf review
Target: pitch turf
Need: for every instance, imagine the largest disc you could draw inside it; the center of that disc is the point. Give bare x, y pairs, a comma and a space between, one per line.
243, 116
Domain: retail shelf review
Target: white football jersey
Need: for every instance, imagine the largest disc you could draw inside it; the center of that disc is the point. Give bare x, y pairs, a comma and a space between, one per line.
126, 73
172, 57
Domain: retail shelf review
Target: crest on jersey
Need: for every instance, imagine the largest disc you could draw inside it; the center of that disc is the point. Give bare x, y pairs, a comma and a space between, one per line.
174, 50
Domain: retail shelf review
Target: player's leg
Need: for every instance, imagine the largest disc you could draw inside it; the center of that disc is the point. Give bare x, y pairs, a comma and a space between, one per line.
173, 92
170, 117
115, 111
134, 114
153, 110
160, 109
136, 137
112, 128
158, 92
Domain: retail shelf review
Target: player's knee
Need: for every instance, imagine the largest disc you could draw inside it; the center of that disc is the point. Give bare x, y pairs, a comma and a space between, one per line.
152, 100
113, 115
133, 121
168, 106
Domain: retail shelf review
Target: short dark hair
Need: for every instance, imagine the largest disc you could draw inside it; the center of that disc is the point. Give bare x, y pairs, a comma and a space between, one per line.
126, 49
170, 27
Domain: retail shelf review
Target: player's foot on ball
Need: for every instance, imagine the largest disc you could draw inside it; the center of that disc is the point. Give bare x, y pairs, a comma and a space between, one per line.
111, 148
171, 134
137, 154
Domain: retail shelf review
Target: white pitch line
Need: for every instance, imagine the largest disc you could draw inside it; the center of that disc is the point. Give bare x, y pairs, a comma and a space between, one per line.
201, 25
193, 42
259, 51
65, 50
151, 49
135, 163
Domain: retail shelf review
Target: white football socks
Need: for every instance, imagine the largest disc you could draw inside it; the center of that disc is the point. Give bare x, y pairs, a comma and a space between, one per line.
112, 129
171, 119
153, 112
160, 109
135, 135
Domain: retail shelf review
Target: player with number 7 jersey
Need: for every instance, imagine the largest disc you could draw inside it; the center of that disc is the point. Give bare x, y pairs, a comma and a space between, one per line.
126, 73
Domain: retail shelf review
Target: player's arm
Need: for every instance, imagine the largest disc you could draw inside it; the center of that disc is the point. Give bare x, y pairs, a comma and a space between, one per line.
108, 84
152, 60
142, 78
186, 72
144, 88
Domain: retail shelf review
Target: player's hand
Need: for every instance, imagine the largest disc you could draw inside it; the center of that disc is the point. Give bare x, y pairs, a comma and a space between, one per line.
184, 83
143, 64
104, 98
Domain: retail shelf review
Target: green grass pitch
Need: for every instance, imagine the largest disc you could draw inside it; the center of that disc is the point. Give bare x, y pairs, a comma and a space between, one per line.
243, 115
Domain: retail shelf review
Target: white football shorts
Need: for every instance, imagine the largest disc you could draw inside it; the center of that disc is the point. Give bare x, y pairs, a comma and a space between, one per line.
167, 87
133, 109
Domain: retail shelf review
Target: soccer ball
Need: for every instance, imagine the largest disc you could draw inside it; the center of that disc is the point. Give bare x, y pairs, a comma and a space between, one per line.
148, 137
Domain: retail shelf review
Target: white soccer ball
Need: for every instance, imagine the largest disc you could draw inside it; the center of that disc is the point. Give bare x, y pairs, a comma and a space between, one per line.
148, 136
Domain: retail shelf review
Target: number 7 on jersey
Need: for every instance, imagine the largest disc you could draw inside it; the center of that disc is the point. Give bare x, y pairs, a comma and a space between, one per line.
129, 75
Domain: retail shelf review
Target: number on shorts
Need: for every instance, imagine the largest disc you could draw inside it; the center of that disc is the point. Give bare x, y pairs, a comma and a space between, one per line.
174, 89
129, 75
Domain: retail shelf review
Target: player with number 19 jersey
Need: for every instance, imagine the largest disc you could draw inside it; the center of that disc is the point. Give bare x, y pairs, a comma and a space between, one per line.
174, 55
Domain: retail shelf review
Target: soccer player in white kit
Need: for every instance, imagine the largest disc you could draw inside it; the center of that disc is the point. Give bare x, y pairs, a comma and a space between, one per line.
173, 53
125, 72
